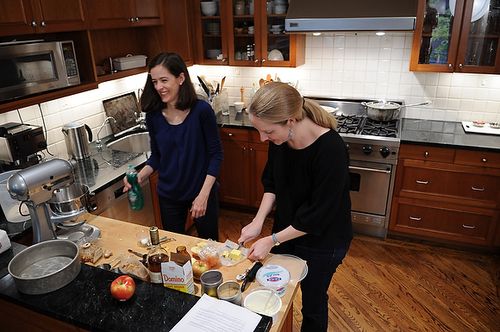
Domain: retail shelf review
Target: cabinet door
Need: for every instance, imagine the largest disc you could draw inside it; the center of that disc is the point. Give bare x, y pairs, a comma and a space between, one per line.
234, 178
436, 36
58, 15
478, 46
211, 28
278, 49
243, 31
16, 17
149, 12
258, 160
178, 18
107, 14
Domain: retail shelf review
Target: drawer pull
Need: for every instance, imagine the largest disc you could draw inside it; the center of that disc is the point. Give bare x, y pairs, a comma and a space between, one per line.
468, 226
484, 160
415, 218
230, 134
421, 182
477, 189
426, 154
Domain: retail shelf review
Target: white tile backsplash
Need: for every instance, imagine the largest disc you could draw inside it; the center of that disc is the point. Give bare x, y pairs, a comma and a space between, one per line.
337, 65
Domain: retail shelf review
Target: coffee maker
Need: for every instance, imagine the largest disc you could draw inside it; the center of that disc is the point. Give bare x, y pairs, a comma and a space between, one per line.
19, 144
38, 186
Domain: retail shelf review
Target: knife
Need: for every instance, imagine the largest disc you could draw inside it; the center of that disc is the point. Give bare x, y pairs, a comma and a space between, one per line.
204, 86
250, 277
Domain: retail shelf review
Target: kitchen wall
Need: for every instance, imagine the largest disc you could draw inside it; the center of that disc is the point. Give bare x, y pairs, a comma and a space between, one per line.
337, 65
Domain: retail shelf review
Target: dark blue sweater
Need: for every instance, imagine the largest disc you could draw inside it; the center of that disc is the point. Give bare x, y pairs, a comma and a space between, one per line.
185, 153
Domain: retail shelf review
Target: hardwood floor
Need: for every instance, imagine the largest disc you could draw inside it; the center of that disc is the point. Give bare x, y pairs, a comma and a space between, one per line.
397, 286
391, 285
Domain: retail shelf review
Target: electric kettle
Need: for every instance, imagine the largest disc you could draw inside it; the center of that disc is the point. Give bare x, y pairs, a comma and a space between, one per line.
77, 137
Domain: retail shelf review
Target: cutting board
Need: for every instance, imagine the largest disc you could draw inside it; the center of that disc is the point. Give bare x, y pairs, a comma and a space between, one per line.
469, 127
122, 109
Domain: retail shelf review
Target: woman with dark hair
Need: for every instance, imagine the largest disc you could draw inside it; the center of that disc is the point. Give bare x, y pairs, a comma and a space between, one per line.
306, 179
185, 147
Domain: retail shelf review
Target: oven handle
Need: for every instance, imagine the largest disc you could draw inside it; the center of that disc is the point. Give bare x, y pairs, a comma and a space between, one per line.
357, 168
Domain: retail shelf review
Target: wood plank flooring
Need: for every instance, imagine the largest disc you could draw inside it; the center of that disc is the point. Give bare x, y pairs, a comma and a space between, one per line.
398, 286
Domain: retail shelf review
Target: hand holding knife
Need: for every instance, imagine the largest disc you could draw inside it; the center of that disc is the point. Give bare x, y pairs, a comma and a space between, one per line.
250, 277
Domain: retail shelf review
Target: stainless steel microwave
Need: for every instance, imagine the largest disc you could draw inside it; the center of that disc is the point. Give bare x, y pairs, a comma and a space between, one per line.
34, 67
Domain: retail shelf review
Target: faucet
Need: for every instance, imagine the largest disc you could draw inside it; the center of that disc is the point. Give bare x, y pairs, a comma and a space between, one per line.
98, 140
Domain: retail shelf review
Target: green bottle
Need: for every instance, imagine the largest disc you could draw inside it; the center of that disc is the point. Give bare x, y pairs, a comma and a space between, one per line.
135, 195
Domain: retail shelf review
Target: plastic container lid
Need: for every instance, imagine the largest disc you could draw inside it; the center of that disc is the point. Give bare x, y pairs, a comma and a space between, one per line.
274, 277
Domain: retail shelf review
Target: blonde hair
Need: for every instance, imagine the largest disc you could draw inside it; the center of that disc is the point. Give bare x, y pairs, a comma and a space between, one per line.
277, 102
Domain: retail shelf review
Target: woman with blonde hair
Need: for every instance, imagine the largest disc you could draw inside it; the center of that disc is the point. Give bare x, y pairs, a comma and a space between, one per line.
306, 180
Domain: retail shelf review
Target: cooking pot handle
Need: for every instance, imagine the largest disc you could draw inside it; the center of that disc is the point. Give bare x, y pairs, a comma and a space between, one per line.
89, 131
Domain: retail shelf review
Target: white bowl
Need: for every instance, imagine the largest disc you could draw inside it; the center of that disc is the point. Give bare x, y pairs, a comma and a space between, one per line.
280, 9
263, 301
275, 55
208, 8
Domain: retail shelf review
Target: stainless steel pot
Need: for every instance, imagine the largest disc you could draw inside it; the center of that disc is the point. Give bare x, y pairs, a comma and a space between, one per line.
71, 199
386, 110
77, 137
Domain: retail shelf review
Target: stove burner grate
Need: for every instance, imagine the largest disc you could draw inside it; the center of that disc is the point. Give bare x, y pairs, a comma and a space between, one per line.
379, 128
349, 124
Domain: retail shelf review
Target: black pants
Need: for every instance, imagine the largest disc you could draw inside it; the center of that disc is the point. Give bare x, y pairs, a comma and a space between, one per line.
174, 214
322, 264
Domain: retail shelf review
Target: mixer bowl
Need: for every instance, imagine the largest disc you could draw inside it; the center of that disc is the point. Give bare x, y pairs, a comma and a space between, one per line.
71, 199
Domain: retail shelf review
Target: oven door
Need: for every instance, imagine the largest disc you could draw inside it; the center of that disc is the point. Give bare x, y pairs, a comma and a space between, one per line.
370, 184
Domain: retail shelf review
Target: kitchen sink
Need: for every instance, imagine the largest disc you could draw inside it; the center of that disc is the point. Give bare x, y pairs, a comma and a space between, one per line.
134, 142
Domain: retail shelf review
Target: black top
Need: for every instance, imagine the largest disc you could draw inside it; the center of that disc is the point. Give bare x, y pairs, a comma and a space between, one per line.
312, 191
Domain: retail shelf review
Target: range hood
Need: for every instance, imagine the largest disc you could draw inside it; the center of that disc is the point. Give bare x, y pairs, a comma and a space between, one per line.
350, 15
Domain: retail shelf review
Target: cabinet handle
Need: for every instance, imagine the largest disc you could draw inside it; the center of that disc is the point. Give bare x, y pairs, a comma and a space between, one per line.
137, 19
43, 23
415, 218
230, 134
484, 160
460, 66
477, 189
426, 154
421, 182
468, 226
33, 23
263, 60
131, 19
256, 60
223, 59
244, 148
450, 66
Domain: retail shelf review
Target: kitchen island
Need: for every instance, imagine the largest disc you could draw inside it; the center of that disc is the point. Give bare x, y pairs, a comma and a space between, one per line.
86, 303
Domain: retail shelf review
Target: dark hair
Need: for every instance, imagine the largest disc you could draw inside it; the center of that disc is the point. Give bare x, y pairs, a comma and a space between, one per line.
150, 99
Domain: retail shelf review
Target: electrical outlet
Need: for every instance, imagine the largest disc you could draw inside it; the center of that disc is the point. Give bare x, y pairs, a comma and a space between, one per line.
483, 82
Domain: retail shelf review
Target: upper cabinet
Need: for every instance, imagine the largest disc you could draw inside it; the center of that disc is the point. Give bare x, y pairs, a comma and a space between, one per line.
108, 14
40, 16
178, 18
457, 36
247, 33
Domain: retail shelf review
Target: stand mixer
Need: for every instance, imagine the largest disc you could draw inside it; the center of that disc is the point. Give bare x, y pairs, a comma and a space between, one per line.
35, 186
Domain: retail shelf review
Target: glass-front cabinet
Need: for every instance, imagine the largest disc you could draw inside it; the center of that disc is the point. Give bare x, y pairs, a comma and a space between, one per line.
252, 32
457, 36
210, 32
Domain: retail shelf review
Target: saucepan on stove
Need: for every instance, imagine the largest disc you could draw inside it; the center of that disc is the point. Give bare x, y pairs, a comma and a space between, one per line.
386, 110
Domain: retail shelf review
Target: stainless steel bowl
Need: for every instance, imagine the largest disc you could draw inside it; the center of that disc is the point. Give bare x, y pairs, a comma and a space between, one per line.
70, 199
45, 266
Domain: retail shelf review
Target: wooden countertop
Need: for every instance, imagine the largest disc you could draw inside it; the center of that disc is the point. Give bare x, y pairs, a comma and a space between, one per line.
119, 236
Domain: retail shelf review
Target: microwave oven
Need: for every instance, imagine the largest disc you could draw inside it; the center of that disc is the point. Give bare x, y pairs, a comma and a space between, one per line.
34, 67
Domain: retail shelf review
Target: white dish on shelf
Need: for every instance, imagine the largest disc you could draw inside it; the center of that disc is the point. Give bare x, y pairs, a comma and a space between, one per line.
275, 55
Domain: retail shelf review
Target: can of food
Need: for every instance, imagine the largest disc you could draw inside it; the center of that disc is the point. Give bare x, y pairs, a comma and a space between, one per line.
274, 277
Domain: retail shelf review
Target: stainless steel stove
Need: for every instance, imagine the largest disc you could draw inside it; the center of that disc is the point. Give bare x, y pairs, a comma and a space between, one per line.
373, 150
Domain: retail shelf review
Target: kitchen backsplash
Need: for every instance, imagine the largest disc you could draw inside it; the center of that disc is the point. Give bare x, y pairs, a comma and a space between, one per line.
337, 65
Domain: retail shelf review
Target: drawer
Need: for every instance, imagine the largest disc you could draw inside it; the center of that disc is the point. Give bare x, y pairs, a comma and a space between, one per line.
430, 153
254, 136
459, 226
478, 158
460, 185
234, 134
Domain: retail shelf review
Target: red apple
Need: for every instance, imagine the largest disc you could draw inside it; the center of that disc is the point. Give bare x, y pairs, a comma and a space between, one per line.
122, 288
198, 268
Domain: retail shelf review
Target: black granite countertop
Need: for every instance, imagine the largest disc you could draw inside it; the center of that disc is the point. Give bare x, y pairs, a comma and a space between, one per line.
86, 302
446, 133
234, 119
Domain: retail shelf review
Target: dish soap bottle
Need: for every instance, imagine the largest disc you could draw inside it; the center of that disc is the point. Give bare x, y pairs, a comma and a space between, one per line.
135, 195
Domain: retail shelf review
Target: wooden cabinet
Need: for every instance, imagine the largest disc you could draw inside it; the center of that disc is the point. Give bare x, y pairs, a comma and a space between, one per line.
178, 18
243, 33
449, 195
457, 36
244, 160
40, 16
108, 14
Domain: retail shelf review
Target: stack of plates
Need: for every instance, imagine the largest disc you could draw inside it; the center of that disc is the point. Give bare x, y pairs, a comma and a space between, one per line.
276, 29
213, 28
